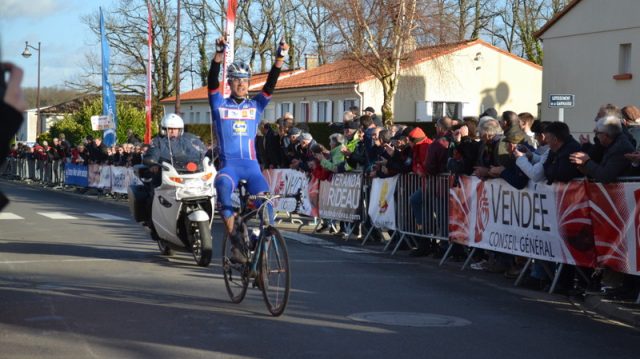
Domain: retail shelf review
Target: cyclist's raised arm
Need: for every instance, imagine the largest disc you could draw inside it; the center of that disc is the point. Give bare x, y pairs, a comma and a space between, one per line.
272, 79
214, 69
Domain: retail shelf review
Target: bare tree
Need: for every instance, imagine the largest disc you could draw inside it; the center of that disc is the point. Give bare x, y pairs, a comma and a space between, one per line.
126, 32
317, 20
517, 22
202, 14
376, 33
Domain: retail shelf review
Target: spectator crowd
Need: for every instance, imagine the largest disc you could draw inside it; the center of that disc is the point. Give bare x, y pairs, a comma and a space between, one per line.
512, 146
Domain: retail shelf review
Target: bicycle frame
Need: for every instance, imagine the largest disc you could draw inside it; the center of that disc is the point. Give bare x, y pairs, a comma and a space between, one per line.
262, 211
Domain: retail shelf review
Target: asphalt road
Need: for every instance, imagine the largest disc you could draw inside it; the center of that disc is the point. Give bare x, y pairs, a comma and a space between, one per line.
76, 285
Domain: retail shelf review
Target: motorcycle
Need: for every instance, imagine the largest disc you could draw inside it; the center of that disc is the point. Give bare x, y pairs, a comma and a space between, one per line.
181, 207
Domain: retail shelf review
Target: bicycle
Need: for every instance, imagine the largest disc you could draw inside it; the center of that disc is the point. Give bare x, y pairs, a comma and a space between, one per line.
268, 258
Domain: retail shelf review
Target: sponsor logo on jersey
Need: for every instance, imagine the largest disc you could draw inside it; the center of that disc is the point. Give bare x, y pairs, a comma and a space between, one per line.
239, 127
247, 114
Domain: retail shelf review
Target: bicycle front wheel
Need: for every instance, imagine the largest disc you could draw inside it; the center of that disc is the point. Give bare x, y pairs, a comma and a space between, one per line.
235, 275
274, 271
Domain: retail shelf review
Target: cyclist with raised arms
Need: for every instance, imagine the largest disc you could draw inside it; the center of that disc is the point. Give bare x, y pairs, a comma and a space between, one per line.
236, 121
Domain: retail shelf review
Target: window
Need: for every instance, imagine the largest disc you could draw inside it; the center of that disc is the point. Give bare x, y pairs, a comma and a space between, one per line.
348, 103
286, 107
197, 117
323, 111
190, 117
449, 109
624, 62
305, 112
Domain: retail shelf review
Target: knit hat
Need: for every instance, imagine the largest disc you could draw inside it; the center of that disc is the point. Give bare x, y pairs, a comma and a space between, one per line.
417, 134
370, 109
514, 135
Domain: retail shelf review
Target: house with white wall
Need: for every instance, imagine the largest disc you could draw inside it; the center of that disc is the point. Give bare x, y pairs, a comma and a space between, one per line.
591, 51
460, 79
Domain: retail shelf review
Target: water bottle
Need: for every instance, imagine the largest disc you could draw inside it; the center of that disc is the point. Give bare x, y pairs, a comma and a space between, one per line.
254, 234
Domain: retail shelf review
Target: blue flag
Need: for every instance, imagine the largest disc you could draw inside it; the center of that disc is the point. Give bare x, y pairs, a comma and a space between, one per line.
108, 97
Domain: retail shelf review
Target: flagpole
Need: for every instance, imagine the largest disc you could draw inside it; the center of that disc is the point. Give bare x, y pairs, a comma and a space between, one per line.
147, 100
177, 65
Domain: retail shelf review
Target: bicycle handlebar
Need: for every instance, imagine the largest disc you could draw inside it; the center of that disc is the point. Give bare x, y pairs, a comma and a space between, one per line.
267, 197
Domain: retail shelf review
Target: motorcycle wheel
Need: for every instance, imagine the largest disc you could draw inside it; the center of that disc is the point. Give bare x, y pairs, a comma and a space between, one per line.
163, 246
201, 242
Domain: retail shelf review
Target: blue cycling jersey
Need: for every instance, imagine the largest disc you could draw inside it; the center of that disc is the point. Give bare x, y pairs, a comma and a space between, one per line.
236, 124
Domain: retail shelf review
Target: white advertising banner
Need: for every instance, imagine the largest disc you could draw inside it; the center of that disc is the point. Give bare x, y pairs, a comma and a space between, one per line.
119, 181
382, 206
288, 181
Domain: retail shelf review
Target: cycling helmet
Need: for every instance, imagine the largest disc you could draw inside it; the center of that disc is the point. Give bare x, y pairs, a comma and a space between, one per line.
172, 120
238, 70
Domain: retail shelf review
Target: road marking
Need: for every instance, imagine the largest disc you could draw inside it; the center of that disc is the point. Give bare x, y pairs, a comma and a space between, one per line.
306, 239
56, 215
9, 215
56, 260
107, 216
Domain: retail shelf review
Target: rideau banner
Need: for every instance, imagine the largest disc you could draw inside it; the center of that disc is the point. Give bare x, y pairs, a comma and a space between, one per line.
340, 198
382, 206
578, 223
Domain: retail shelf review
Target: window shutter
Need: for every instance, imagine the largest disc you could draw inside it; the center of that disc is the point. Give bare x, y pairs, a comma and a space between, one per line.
429, 111
314, 112
421, 111
468, 109
329, 111
278, 110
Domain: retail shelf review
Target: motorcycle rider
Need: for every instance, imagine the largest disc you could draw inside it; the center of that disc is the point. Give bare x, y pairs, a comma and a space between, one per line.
176, 147
236, 121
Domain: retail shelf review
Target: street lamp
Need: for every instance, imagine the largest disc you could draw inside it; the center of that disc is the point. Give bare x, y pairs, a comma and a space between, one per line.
26, 54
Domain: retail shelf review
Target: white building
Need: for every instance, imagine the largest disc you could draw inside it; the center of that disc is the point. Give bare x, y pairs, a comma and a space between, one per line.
591, 51
461, 79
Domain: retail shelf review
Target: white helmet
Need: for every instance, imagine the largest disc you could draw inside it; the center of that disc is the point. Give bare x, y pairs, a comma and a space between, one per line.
172, 120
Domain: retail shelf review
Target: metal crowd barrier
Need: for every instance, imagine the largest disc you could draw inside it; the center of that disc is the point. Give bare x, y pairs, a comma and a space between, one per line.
431, 194
47, 172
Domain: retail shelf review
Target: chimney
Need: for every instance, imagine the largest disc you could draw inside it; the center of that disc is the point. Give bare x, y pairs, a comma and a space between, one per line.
311, 61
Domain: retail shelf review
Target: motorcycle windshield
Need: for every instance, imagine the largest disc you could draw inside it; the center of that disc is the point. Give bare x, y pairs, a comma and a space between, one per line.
187, 155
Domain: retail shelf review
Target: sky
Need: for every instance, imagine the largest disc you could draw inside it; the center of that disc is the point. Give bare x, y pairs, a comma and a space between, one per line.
57, 25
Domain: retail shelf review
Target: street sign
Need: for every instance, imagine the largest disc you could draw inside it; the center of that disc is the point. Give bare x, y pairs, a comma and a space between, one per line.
562, 100
101, 122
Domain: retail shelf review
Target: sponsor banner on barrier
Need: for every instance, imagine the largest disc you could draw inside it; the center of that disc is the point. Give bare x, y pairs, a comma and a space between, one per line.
382, 206
616, 225
94, 175
340, 199
76, 175
288, 181
119, 180
548, 222
105, 177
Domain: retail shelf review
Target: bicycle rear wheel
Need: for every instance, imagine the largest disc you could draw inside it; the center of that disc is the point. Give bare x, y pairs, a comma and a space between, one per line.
274, 271
235, 275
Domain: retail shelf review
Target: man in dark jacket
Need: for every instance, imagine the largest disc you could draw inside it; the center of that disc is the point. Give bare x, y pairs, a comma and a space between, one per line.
615, 143
268, 147
557, 167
